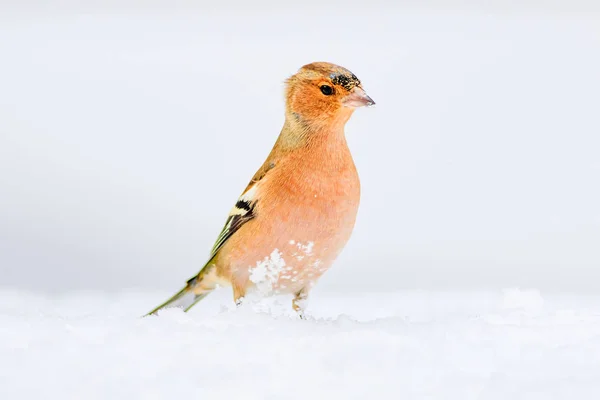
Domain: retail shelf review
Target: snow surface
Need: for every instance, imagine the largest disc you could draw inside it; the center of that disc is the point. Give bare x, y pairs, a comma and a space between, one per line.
515, 344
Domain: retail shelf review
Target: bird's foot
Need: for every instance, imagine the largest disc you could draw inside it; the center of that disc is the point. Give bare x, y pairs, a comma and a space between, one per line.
301, 314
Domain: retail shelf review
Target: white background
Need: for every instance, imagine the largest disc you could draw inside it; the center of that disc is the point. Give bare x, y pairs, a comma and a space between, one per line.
128, 131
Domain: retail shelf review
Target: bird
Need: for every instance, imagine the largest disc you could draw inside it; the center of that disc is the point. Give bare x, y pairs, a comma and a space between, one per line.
299, 209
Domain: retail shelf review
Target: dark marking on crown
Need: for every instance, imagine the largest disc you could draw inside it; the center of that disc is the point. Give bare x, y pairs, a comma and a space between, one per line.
348, 82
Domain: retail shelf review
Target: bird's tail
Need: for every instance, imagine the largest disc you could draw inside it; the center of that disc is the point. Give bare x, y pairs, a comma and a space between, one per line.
195, 290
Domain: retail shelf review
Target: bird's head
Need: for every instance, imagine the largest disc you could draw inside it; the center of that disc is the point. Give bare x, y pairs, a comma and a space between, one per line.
322, 95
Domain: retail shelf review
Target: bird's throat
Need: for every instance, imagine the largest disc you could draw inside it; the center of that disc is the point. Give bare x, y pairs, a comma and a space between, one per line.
297, 132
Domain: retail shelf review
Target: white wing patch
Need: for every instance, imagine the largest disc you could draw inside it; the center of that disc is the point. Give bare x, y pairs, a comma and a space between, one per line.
250, 193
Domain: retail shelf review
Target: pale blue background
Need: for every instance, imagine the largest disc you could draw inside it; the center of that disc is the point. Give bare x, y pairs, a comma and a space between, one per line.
128, 131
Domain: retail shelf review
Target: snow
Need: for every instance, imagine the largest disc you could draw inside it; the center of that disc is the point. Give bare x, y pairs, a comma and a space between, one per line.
304, 249
266, 272
515, 344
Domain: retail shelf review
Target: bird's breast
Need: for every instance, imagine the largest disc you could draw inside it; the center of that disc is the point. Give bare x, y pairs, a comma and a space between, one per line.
305, 213
313, 197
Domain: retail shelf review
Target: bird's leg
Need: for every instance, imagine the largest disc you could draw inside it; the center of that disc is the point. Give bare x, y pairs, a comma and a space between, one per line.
239, 291
300, 302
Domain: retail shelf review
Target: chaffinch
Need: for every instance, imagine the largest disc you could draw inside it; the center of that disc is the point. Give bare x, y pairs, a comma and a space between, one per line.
299, 209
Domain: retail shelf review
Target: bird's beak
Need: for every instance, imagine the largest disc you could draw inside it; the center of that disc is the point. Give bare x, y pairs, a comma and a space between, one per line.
357, 98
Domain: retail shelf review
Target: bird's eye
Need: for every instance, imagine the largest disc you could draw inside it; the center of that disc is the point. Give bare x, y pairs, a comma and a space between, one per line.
326, 90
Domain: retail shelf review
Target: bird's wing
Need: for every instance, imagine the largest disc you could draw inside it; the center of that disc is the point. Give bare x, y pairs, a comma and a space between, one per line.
243, 211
